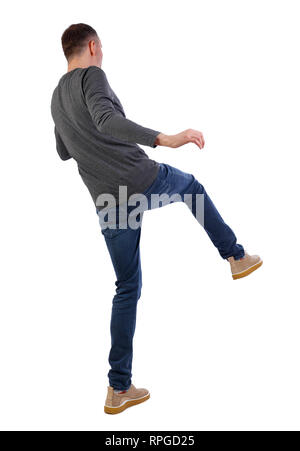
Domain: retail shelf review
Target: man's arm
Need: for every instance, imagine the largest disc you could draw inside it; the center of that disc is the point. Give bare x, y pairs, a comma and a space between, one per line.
99, 102
60, 147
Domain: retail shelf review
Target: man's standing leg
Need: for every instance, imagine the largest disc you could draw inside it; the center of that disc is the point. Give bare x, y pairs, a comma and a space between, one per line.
124, 249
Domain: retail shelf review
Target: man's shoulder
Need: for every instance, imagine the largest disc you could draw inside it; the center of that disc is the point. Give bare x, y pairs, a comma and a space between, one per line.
93, 77
94, 70
93, 67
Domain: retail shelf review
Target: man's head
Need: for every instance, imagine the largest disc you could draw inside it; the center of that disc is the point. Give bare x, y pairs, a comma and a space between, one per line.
82, 46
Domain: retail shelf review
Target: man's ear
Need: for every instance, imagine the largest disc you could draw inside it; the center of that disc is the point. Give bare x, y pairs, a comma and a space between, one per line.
92, 47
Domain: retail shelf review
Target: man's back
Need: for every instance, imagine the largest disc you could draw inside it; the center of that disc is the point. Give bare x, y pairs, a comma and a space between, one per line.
91, 127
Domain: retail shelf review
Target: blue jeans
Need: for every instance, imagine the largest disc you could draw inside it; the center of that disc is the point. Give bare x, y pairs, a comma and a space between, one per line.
123, 246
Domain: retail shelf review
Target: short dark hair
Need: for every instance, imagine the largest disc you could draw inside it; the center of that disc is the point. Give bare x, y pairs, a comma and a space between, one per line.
75, 38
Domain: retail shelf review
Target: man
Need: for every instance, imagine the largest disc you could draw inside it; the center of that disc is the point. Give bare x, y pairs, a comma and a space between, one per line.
91, 127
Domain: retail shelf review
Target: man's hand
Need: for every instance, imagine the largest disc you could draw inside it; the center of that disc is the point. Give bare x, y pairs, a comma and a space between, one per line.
187, 136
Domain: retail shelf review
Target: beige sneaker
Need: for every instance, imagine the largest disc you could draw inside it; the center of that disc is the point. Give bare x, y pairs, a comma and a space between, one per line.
244, 266
117, 402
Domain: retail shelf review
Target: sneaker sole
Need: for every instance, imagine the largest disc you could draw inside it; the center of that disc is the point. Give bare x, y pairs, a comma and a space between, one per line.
129, 403
248, 271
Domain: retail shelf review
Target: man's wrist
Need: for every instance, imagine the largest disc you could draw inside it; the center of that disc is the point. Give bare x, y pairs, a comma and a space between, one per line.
162, 140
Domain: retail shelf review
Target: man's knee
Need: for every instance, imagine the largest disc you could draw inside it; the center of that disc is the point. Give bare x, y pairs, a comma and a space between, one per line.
196, 186
129, 290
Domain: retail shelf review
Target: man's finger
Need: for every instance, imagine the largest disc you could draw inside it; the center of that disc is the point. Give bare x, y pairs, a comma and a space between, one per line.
198, 142
201, 138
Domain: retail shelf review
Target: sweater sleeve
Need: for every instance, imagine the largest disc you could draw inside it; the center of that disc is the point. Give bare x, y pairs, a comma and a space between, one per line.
60, 147
99, 100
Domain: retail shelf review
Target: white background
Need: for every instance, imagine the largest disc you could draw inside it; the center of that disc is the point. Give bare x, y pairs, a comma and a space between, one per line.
216, 354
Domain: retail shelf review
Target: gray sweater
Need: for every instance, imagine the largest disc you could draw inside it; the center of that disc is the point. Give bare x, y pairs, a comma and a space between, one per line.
91, 127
